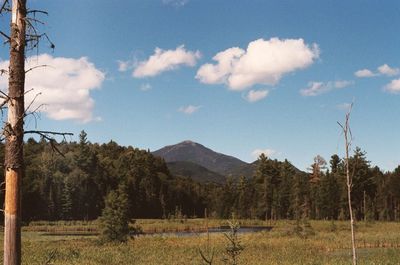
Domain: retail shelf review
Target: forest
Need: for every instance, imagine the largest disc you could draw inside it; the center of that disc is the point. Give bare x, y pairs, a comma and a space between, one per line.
72, 186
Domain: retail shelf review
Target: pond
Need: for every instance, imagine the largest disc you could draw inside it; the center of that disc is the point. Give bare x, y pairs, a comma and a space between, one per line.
213, 230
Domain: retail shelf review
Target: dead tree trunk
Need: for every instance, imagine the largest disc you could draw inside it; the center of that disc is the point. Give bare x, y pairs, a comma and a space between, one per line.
349, 184
14, 134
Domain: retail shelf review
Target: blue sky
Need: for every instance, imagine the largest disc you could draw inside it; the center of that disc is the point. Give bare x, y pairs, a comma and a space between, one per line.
285, 73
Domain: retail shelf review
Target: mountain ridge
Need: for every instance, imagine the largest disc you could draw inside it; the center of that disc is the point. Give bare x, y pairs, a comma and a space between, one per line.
190, 151
191, 159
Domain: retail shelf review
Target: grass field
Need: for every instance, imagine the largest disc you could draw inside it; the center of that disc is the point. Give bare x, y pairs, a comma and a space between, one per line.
379, 243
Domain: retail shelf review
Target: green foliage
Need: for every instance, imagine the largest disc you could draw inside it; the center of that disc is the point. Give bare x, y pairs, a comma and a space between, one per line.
114, 221
74, 187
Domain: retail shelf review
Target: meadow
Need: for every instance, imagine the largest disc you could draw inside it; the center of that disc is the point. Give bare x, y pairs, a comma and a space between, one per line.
61, 243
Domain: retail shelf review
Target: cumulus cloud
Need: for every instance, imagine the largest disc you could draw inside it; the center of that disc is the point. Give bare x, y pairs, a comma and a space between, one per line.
65, 86
263, 62
256, 95
165, 60
388, 71
318, 88
190, 109
364, 73
393, 86
267, 152
145, 87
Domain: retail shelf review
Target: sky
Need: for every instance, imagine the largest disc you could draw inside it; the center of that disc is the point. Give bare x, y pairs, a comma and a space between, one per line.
240, 77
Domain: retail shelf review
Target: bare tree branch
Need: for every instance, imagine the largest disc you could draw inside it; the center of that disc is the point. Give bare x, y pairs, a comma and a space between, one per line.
3, 7
4, 95
49, 133
33, 101
48, 136
27, 91
34, 11
5, 36
35, 67
3, 103
34, 20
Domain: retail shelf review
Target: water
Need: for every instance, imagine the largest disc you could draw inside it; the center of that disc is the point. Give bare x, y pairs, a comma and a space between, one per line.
221, 229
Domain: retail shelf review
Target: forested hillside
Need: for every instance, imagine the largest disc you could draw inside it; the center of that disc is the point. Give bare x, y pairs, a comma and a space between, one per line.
73, 186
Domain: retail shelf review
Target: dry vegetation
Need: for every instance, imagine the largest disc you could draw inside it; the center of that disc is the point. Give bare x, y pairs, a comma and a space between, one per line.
378, 244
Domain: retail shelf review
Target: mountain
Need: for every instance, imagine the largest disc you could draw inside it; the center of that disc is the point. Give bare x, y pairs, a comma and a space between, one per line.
196, 153
194, 171
246, 170
190, 159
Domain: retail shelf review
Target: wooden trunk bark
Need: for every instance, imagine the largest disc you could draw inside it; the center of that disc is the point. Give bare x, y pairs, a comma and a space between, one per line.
14, 134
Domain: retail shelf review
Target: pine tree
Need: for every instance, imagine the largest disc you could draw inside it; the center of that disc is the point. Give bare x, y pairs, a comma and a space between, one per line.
114, 221
66, 201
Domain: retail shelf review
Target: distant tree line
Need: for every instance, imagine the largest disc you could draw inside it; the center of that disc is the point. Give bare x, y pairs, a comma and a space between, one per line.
280, 191
74, 186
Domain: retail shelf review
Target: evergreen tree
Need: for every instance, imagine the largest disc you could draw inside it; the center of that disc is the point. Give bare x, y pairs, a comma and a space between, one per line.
114, 221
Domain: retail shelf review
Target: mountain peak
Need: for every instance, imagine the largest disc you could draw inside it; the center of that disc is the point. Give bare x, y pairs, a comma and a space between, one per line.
190, 151
188, 142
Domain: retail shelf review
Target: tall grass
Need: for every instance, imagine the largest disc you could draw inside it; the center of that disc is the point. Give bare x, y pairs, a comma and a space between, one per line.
378, 244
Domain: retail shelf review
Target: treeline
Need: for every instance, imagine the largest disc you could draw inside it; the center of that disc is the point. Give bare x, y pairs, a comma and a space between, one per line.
73, 186
280, 191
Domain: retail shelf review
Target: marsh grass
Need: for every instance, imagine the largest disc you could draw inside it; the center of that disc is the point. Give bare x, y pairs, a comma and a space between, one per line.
377, 245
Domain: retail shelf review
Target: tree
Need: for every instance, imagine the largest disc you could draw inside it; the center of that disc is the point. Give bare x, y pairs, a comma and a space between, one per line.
286, 174
329, 196
14, 135
114, 221
317, 173
267, 181
364, 185
23, 35
349, 179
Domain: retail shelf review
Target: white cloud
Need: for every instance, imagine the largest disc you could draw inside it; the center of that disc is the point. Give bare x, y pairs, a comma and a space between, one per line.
393, 86
175, 3
344, 106
364, 73
145, 87
190, 109
65, 86
219, 73
124, 66
256, 95
342, 83
267, 152
314, 89
381, 70
166, 60
318, 88
263, 62
388, 71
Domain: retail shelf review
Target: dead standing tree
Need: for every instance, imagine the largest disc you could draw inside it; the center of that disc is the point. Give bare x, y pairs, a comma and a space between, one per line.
14, 135
23, 35
349, 182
